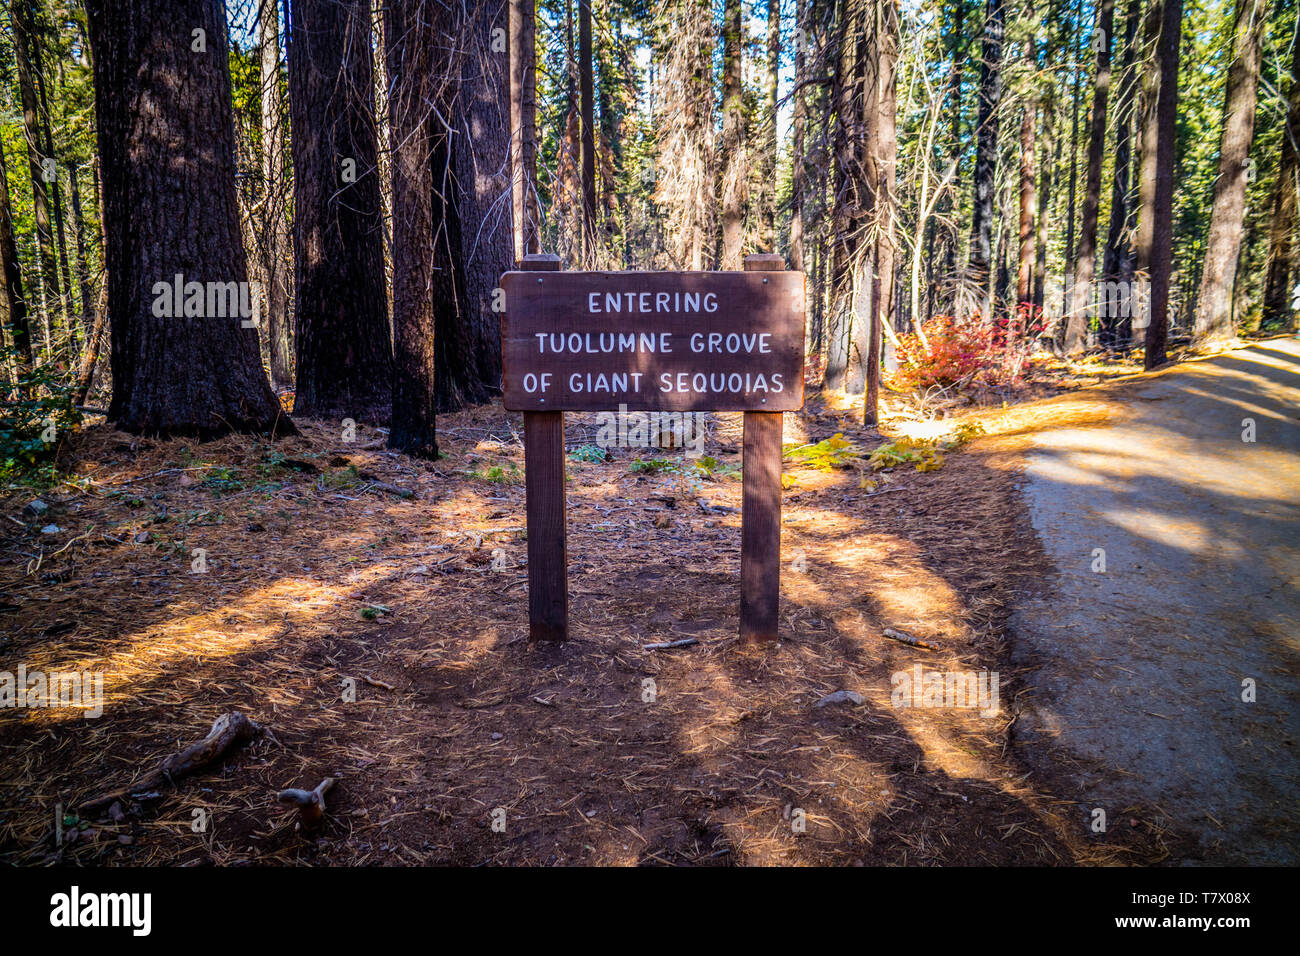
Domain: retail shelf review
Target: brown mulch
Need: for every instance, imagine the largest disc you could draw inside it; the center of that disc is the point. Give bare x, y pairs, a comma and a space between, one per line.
596, 751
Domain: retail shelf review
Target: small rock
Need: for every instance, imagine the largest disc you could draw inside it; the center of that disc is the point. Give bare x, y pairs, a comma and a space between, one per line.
50, 529
841, 697
125, 839
496, 736
35, 508
142, 538
115, 812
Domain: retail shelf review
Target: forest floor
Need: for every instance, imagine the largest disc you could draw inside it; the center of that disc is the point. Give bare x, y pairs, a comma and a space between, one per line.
467, 744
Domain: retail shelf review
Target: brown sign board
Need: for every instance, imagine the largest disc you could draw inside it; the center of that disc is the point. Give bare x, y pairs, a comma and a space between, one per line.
653, 341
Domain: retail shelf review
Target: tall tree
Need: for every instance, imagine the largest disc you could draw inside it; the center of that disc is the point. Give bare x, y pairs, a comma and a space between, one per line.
480, 150
1085, 257
343, 343
1025, 272
586, 88
768, 159
733, 165
15, 301
276, 242
163, 65
1218, 277
798, 133
1154, 244
986, 151
21, 21
1281, 239
1117, 263
523, 127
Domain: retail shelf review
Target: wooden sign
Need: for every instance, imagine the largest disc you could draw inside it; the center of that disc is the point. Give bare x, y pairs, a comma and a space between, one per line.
668, 341
653, 341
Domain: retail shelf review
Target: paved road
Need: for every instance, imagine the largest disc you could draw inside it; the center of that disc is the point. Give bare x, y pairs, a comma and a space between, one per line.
1142, 665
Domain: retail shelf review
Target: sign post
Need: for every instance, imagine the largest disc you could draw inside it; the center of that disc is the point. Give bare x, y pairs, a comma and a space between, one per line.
662, 343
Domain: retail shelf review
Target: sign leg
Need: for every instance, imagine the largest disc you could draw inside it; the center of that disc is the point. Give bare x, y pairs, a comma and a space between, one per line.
760, 530
548, 591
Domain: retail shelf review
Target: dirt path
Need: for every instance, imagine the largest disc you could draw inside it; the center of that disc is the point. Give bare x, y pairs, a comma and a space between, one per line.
1137, 672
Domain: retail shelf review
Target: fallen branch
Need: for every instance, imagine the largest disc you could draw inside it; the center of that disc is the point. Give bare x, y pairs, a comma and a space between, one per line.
227, 731
668, 645
905, 638
310, 803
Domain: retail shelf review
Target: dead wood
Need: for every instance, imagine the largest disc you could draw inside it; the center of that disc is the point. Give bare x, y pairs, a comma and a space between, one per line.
310, 803
227, 731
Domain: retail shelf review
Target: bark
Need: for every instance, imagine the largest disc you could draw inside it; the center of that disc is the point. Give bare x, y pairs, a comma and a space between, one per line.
956, 69
1227, 219
986, 150
79, 234
15, 301
849, 205
523, 113
20, 17
422, 70
277, 244
1281, 241
799, 125
1159, 142
1025, 272
56, 199
1076, 325
483, 117
343, 347
587, 106
187, 374
1116, 305
734, 171
768, 163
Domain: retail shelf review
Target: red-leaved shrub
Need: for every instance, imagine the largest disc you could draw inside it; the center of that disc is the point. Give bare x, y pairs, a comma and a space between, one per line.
969, 351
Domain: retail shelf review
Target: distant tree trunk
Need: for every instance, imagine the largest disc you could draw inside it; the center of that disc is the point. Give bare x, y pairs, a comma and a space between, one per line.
79, 234
523, 125
1025, 272
1116, 305
15, 301
1085, 258
482, 172
586, 87
849, 202
1159, 142
768, 160
882, 161
986, 151
56, 204
733, 165
956, 67
277, 244
1048, 160
20, 17
344, 349
798, 132
173, 374
1218, 277
1067, 285
1277, 284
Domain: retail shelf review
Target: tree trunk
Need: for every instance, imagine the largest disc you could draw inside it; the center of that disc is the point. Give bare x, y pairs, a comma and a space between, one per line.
733, 165
20, 17
482, 119
174, 374
1159, 142
1025, 272
1277, 284
1085, 258
277, 246
422, 71
986, 152
15, 301
848, 203
56, 200
799, 125
344, 349
768, 161
1214, 304
79, 234
587, 106
882, 165
1116, 301
523, 113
